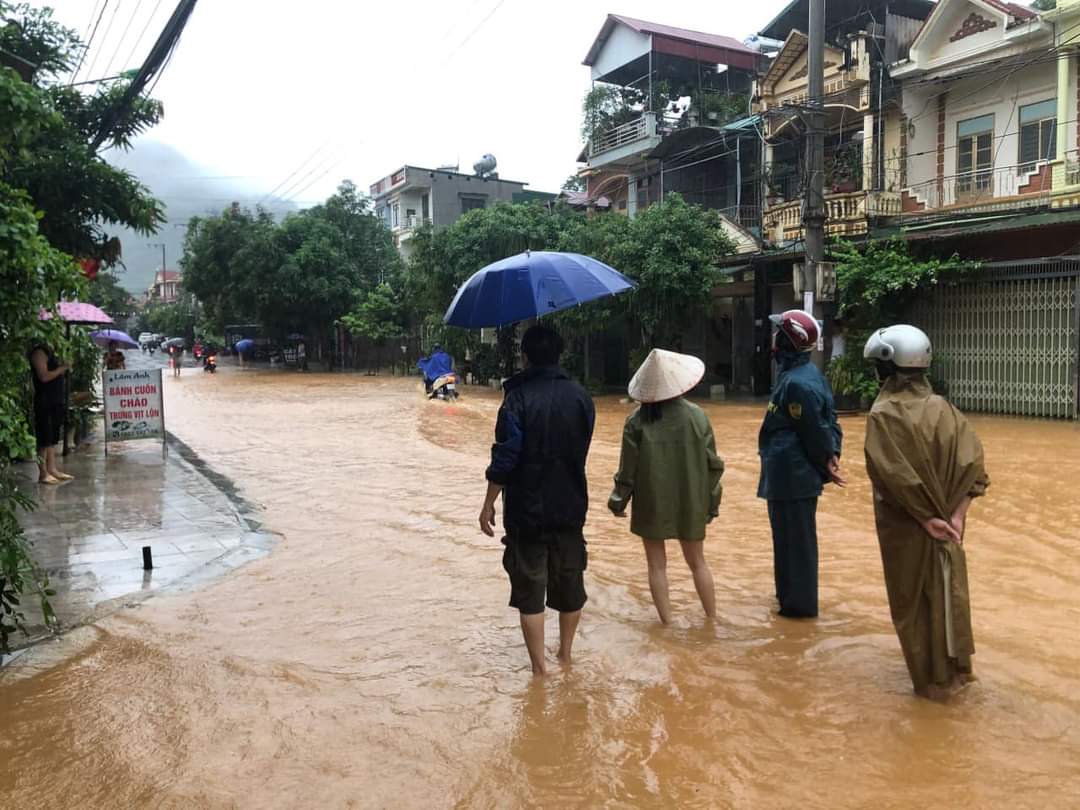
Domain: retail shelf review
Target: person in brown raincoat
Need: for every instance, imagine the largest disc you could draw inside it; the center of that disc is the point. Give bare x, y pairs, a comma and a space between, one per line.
926, 465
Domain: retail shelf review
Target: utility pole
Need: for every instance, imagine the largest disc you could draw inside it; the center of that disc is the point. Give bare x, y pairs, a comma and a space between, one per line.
162, 246
814, 214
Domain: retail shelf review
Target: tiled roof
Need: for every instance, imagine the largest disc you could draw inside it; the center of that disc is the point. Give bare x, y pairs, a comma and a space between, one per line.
1018, 11
701, 38
668, 31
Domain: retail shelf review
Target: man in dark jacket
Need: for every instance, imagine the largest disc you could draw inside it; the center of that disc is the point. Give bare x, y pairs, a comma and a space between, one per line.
542, 438
799, 445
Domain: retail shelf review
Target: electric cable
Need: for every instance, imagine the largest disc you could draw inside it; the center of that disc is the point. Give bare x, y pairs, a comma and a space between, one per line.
89, 42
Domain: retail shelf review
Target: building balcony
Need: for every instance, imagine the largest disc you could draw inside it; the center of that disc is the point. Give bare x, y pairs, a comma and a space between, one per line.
1065, 183
846, 214
1004, 189
411, 223
624, 144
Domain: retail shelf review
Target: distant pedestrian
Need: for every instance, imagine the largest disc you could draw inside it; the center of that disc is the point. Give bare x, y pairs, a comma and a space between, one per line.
799, 445
926, 464
670, 472
114, 360
50, 402
176, 359
301, 356
542, 438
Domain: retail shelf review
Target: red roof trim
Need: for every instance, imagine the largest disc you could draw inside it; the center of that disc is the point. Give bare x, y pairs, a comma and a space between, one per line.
697, 37
1019, 13
668, 31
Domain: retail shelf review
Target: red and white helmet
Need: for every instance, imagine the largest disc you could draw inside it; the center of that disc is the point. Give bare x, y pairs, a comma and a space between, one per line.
800, 327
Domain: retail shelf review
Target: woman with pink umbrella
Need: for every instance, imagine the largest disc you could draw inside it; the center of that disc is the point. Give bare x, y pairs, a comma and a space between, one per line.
50, 404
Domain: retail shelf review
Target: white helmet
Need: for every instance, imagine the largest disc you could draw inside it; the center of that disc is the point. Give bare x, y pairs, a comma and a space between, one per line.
905, 346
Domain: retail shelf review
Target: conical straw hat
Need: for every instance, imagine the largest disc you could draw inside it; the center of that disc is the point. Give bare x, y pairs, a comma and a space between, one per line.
665, 375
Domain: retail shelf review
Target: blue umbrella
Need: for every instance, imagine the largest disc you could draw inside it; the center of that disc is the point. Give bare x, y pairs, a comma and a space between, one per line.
532, 284
245, 345
104, 337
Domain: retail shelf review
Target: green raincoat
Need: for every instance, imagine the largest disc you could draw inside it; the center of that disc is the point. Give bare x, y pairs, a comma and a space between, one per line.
923, 459
671, 471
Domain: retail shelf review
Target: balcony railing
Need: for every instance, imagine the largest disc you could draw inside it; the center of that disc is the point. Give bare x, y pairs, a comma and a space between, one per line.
846, 214
623, 135
1007, 186
748, 216
411, 222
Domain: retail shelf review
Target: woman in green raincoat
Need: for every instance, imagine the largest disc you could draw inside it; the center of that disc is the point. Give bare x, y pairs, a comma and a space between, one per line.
670, 472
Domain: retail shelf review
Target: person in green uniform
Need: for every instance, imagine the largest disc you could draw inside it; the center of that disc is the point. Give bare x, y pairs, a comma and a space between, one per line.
669, 470
799, 445
926, 465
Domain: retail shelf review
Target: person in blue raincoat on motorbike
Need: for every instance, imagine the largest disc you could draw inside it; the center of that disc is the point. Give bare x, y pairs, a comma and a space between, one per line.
799, 445
435, 366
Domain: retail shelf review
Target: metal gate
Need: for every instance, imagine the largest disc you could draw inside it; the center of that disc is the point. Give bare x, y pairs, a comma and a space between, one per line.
1008, 342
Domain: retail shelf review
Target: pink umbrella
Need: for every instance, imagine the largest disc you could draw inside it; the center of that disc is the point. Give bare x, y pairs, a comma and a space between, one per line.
78, 313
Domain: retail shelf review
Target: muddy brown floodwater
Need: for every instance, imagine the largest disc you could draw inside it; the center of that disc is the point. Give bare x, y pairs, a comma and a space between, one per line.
371, 661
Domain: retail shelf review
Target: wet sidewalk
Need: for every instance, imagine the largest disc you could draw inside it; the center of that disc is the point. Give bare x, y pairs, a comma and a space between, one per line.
89, 534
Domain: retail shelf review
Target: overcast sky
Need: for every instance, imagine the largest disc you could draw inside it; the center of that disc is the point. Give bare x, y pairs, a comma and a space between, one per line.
359, 88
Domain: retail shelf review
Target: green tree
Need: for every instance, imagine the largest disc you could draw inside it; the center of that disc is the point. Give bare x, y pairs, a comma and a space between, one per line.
105, 292
300, 275
57, 197
1044, 5
575, 182
178, 319
33, 276
606, 106
670, 250
225, 257
80, 195
379, 317
877, 281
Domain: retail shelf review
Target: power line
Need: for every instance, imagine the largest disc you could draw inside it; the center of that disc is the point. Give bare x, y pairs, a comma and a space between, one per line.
123, 36
472, 33
89, 42
294, 172
142, 33
320, 177
105, 37
319, 167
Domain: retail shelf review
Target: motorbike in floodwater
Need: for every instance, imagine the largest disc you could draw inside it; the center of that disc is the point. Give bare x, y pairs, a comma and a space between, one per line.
210, 363
444, 387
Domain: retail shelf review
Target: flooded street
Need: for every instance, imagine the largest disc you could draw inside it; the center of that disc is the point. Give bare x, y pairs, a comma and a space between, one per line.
371, 661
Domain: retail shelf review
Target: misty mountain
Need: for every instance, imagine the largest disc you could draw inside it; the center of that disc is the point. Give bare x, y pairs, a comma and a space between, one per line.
188, 190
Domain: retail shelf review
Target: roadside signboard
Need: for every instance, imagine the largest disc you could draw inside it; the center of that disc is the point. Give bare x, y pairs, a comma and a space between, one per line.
132, 405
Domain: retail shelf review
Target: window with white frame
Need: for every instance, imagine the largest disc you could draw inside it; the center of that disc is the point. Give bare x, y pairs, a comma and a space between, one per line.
974, 156
1038, 134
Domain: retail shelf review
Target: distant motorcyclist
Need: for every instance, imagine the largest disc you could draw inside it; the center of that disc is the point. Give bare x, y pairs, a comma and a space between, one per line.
435, 366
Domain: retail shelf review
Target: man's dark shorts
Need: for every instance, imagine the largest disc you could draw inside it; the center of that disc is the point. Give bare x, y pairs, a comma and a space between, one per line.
553, 562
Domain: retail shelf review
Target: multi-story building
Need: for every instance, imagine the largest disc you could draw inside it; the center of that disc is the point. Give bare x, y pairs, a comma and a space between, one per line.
668, 111
990, 163
413, 197
166, 287
861, 105
952, 126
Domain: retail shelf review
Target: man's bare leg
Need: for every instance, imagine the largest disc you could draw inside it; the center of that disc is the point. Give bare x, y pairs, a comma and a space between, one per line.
568, 623
532, 627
